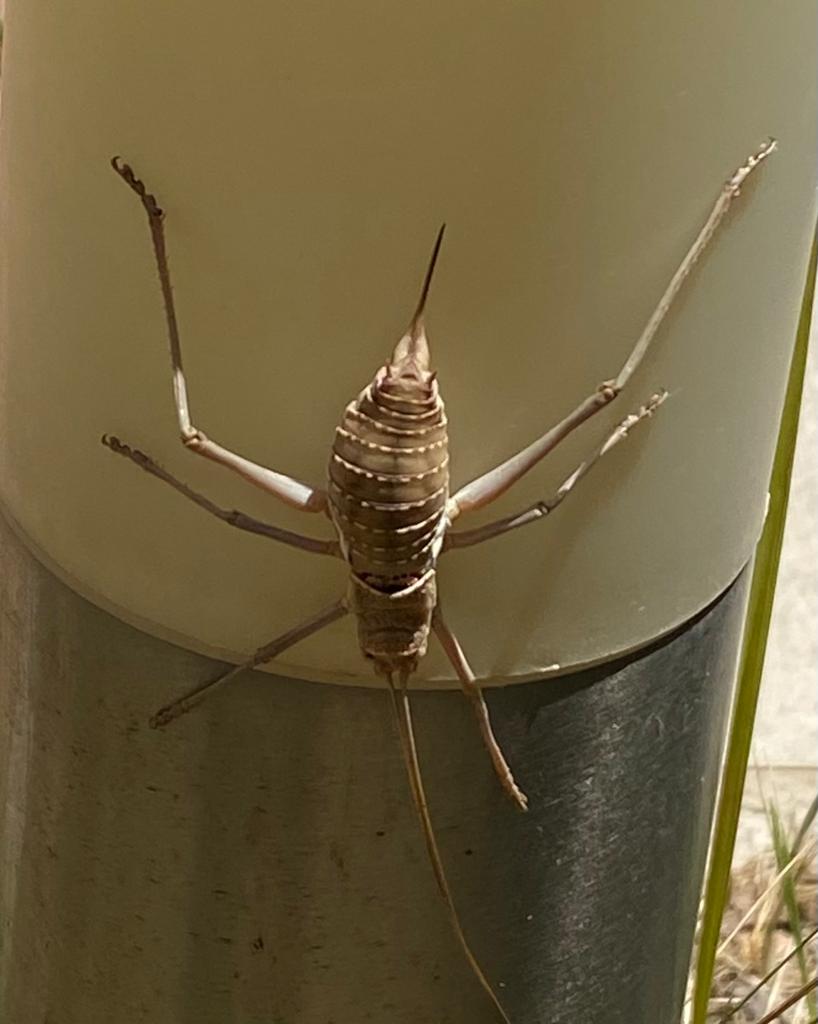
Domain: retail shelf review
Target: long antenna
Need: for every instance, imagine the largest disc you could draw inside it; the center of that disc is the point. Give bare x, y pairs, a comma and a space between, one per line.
403, 716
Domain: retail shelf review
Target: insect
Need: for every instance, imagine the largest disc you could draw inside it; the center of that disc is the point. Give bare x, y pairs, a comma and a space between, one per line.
389, 503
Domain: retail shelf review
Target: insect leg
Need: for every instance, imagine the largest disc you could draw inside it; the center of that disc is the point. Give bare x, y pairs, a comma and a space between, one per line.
455, 654
230, 516
466, 538
491, 485
403, 717
266, 653
294, 493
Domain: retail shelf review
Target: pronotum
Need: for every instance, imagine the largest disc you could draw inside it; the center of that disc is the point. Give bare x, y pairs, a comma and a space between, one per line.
388, 500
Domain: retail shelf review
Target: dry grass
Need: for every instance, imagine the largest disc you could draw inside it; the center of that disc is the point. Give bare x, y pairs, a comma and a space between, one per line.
766, 933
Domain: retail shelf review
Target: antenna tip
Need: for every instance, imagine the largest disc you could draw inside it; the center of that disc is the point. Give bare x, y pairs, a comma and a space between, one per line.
441, 232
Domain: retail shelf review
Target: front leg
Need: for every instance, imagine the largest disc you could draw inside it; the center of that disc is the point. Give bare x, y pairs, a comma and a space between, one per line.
497, 481
293, 492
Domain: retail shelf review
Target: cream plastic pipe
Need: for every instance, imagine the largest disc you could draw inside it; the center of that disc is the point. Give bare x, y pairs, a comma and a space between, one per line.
306, 154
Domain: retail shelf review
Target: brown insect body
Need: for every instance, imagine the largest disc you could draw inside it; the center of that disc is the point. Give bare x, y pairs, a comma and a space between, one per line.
387, 495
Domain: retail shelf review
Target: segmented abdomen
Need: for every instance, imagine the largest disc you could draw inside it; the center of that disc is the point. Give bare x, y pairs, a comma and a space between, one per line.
388, 481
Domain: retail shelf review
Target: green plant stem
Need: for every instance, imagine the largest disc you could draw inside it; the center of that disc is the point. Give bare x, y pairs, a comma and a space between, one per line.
757, 625
806, 825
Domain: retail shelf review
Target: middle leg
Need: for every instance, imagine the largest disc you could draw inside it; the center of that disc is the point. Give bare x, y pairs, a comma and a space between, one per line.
230, 516
540, 509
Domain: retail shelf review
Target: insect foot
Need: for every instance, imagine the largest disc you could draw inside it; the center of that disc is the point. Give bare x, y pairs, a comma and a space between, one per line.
735, 182
170, 712
120, 448
162, 717
622, 430
125, 171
